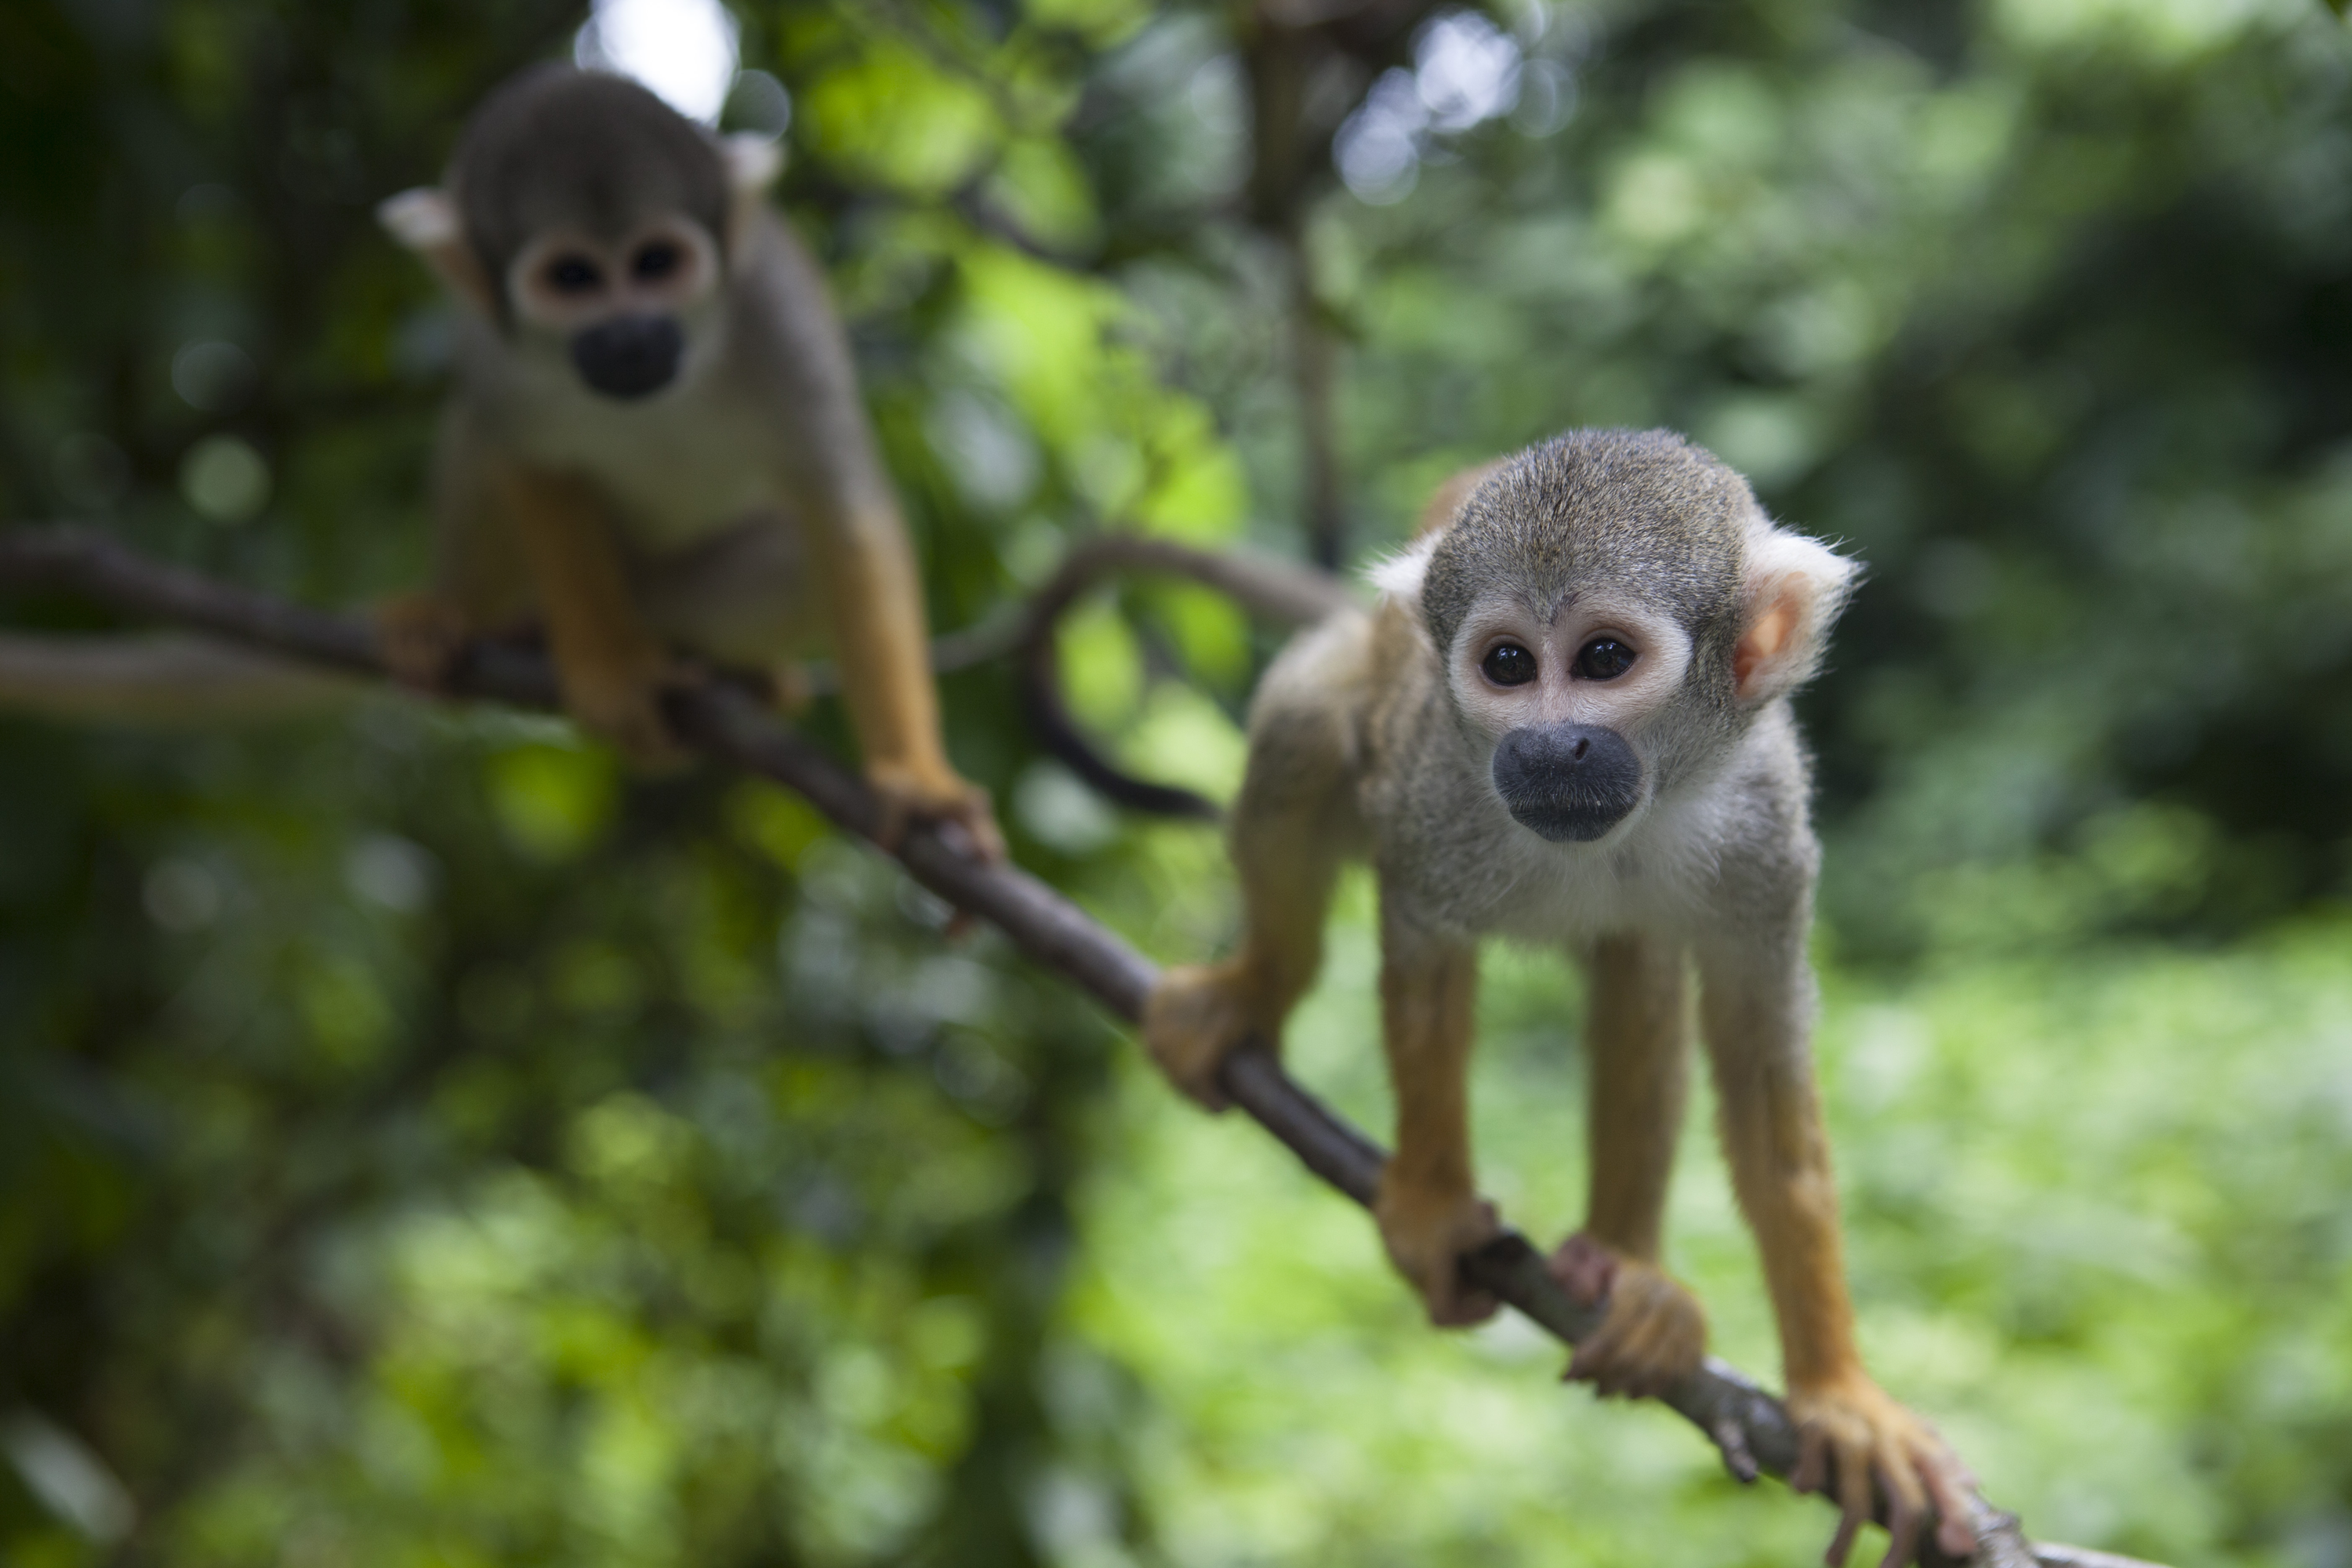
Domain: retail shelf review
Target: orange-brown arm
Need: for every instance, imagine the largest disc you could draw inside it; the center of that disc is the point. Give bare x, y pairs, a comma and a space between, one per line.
874, 601
1637, 1040
1428, 1206
608, 662
1757, 1004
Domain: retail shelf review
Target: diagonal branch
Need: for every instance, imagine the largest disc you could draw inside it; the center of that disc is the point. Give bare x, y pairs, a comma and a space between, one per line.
732, 724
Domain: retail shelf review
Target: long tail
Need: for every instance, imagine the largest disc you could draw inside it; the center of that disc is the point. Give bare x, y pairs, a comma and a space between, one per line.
1271, 589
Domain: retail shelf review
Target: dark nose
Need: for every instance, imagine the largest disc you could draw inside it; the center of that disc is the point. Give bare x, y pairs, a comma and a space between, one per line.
1572, 783
628, 356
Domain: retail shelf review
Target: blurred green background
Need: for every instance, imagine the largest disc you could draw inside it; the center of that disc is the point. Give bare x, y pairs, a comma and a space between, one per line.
422, 1142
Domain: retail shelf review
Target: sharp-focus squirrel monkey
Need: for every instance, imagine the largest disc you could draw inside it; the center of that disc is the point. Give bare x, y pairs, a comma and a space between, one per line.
656, 443
1567, 722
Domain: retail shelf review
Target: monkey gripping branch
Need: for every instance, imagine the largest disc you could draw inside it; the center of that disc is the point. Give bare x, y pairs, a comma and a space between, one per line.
731, 724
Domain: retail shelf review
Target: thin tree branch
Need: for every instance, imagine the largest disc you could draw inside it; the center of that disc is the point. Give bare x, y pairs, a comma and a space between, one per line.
733, 725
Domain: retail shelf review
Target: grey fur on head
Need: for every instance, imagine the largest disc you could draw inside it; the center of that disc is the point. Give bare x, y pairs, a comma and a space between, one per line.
560, 145
1643, 507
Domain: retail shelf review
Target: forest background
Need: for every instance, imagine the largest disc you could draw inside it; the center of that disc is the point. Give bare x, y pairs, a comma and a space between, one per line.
421, 1142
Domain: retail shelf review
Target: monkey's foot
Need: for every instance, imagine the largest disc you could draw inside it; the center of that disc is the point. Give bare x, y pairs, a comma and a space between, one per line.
419, 638
934, 794
620, 703
1851, 1422
789, 688
1653, 1333
1195, 1018
1426, 1230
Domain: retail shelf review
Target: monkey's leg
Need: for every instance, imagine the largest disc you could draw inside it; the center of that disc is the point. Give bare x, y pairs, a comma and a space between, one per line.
1637, 1041
481, 583
1291, 830
875, 602
609, 663
1428, 1208
1757, 1005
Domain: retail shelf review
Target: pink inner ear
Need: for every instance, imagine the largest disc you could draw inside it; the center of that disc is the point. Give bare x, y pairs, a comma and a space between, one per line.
1766, 640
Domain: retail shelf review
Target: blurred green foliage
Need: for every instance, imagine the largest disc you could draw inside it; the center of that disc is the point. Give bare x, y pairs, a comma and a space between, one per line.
421, 1141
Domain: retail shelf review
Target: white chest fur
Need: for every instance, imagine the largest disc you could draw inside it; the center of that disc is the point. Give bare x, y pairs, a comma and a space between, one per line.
678, 468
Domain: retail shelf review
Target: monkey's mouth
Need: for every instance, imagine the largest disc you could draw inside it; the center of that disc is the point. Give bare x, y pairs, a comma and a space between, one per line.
1570, 784
629, 356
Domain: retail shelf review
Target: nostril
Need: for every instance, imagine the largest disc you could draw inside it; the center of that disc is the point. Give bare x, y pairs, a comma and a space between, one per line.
1583, 744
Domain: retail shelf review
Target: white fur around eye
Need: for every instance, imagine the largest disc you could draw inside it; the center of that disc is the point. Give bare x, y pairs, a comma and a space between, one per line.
538, 302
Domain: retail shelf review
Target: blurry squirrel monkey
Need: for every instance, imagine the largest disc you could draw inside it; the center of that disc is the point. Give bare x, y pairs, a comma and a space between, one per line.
655, 441
1567, 722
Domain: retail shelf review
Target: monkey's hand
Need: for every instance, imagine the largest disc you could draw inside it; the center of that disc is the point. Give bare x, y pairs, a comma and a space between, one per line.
1426, 1230
1851, 1422
914, 794
1653, 1334
419, 636
1193, 1019
620, 701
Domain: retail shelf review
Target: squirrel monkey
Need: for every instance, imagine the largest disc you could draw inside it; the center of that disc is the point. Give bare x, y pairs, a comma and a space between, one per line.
656, 446
1567, 720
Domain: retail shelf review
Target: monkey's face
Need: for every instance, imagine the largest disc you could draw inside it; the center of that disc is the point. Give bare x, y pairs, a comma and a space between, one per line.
1564, 693
627, 315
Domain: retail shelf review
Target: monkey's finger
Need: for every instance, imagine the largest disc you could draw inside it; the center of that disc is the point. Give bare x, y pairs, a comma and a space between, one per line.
418, 638
1842, 1545
1906, 1503
1949, 1483
1644, 1358
1585, 1269
651, 750
1853, 1501
1457, 1307
1597, 1352
979, 822
890, 828
1812, 1461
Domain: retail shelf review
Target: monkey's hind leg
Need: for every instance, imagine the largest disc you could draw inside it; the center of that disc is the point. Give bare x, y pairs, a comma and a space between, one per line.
1428, 1206
1637, 1043
1292, 827
1196, 1016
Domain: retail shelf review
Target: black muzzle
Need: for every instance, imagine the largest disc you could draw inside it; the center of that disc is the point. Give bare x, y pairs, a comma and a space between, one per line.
629, 356
1571, 783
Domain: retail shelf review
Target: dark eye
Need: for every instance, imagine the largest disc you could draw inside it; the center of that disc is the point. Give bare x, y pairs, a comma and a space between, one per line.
1509, 664
1604, 658
654, 261
573, 274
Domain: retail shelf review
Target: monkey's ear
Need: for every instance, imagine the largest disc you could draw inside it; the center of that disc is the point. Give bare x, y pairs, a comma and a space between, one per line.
426, 220
1400, 576
754, 161
1795, 588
